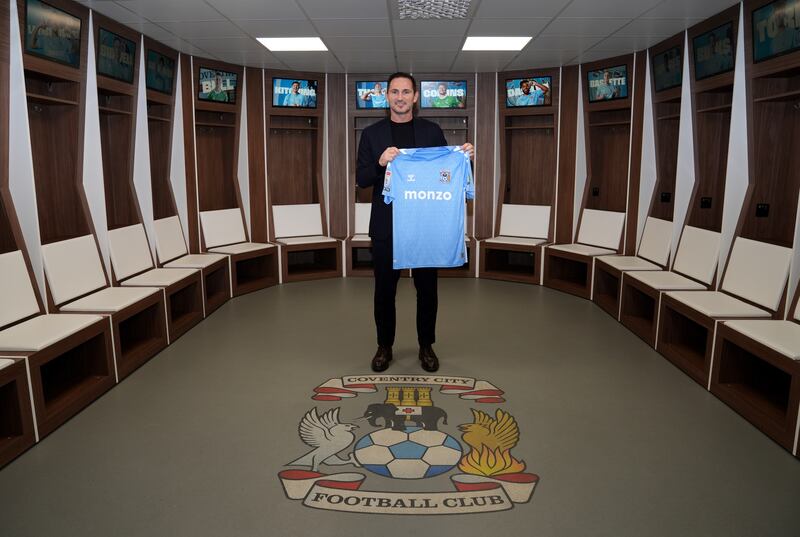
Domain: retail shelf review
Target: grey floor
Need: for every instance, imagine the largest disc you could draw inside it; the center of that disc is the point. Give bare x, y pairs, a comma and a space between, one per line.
191, 444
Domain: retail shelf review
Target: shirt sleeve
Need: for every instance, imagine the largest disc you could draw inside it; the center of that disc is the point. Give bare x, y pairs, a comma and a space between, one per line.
388, 193
469, 186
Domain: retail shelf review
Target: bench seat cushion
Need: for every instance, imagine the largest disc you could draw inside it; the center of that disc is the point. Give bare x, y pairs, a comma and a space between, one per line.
361, 237
581, 249
160, 277
291, 241
516, 241
5, 362
241, 248
717, 304
43, 331
780, 336
111, 299
628, 262
661, 280
198, 261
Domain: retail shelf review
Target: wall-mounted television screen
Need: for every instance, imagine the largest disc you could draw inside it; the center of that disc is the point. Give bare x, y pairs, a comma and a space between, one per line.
294, 93
667, 69
115, 56
443, 94
533, 91
713, 52
216, 85
608, 84
160, 72
371, 94
52, 33
776, 29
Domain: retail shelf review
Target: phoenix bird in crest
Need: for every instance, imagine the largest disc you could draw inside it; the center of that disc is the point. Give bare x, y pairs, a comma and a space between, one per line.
328, 436
490, 440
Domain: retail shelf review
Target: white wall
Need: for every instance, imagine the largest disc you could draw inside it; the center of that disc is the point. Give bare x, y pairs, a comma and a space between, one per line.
21, 184
142, 183
177, 166
685, 176
243, 174
647, 177
737, 177
93, 184
580, 159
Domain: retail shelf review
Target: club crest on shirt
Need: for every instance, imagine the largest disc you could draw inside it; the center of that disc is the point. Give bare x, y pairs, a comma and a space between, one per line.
410, 178
444, 176
387, 182
401, 433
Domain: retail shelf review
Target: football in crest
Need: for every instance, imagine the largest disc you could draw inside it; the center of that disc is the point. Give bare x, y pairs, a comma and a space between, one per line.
413, 453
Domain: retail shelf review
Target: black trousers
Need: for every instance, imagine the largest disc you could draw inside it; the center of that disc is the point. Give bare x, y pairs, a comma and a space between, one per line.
386, 278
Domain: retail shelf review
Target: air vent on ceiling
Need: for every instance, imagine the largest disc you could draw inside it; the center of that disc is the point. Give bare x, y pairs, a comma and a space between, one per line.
433, 9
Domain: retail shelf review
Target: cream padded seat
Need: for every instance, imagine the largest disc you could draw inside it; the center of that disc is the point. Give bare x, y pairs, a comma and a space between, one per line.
73, 268
665, 281
757, 272
223, 232
5, 362
171, 247
582, 249
362, 216
160, 277
717, 304
601, 228
653, 250
298, 224
527, 222
111, 299
35, 334
780, 336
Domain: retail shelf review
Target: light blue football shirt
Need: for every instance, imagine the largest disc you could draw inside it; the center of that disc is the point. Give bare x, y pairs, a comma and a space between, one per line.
427, 187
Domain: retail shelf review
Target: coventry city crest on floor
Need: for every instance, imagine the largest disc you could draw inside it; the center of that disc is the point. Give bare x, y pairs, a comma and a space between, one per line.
405, 435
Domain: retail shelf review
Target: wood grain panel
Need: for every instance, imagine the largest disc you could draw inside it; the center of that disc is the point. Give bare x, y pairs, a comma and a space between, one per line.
338, 181
634, 180
568, 132
215, 160
255, 155
485, 130
187, 98
116, 144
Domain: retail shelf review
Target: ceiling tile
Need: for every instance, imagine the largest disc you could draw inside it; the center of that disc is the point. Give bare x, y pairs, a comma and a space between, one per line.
648, 26
510, 27
689, 9
174, 10
114, 11
537, 59
258, 9
344, 9
482, 61
507, 9
309, 61
344, 27
563, 42
425, 62
154, 31
229, 44
594, 55
629, 44
250, 59
366, 45
432, 44
585, 26
367, 66
202, 29
609, 8
406, 28
270, 28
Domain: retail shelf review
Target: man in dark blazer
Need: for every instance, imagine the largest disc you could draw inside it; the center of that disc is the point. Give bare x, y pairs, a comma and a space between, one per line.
380, 143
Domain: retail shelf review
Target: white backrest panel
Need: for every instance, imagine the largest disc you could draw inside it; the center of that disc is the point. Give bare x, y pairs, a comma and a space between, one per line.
656, 240
299, 220
222, 227
601, 228
130, 252
698, 254
531, 221
758, 272
73, 268
363, 211
17, 299
797, 311
170, 242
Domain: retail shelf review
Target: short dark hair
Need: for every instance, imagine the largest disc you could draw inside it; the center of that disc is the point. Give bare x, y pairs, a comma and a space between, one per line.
401, 74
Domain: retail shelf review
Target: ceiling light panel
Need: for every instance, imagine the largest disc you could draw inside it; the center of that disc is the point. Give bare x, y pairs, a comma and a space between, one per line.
433, 9
292, 44
495, 43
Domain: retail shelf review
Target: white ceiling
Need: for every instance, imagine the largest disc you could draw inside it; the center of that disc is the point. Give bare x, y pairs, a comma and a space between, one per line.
367, 35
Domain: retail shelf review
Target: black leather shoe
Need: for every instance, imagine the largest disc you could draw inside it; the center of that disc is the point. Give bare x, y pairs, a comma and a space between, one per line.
428, 358
380, 362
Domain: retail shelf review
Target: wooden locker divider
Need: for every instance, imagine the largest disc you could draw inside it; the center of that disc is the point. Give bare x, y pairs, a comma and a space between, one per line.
294, 176
528, 174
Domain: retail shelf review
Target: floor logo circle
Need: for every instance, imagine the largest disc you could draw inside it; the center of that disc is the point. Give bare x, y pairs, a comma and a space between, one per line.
408, 437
